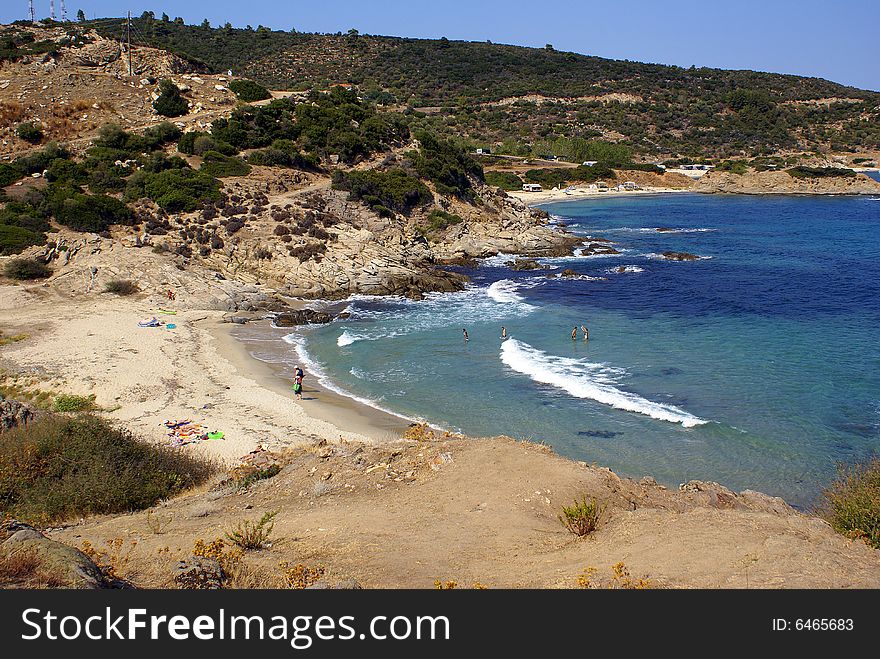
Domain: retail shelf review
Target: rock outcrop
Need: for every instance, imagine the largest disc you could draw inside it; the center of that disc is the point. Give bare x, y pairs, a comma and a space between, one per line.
780, 182
66, 566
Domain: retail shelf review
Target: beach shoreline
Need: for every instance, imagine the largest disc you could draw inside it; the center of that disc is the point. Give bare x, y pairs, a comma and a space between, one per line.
319, 402
552, 196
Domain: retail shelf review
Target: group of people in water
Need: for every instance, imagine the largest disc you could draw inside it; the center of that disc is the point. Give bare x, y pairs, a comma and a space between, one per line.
574, 333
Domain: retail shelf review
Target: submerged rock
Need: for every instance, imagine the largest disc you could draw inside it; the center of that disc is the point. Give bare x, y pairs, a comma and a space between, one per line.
679, 256
524, 264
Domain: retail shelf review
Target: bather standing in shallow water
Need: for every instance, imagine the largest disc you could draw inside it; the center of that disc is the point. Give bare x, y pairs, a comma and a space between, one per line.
503, 332
574, 333
586, 332
464, 332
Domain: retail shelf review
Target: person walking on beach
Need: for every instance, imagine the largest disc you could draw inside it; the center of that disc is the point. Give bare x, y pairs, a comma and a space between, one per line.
464, 332
298, 382
574, 333
586, 332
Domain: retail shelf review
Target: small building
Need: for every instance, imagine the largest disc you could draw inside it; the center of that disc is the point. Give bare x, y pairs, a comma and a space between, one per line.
589, 163
630, 185
532, 187
602, 186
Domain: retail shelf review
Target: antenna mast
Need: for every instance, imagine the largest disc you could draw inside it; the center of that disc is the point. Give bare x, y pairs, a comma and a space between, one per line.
63, 12
52, 9
31, 11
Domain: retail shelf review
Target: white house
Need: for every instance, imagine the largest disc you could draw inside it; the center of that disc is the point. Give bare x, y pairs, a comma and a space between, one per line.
532, 187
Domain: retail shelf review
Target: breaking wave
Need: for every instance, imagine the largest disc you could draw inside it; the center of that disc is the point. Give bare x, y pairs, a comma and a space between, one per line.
587, 380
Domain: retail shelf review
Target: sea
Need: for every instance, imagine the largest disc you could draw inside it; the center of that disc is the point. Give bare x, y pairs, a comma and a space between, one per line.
756, 366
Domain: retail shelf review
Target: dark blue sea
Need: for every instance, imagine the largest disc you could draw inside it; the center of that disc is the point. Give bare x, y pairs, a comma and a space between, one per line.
757, 365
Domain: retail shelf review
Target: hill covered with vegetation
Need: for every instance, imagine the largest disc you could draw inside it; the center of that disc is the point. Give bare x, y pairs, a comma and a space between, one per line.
528, 101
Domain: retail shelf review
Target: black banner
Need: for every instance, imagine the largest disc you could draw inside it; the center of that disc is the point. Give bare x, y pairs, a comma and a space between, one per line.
431, 623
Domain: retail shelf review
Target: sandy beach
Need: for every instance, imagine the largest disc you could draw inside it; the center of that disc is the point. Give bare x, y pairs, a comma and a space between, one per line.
583, 192
198, 371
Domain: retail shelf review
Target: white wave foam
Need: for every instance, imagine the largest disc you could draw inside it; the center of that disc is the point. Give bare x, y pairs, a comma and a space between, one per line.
663, 229
346, 339
504, 291
625, 269
587, 380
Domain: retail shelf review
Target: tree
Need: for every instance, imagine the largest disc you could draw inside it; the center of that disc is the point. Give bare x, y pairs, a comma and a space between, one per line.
81, 16
170, 103
206, 24
549, 46
165, 18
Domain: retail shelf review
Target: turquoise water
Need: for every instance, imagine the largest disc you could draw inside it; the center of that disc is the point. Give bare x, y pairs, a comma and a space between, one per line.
756, 366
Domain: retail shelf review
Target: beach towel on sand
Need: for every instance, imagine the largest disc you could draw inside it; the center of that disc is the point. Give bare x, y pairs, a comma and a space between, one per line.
151, 322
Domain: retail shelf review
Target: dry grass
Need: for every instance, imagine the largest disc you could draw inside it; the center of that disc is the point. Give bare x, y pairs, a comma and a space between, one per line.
11, 113
852, 503
24, 570
620, 579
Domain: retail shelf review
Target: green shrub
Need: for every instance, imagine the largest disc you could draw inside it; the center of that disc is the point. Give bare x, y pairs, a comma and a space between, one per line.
852, 503
73, 403
62, 468
504, 180
38, 161
175, 190
439, 220
9, 174
820, 172
29, 132
249, 91
218, 165
447, 166
738, 167
122, 287
284, 153
253, 535
14, 239
582, 518
93, 213
394, 189
170, 103
26, 269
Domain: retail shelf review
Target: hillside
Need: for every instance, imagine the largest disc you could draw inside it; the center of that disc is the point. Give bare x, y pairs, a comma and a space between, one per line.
526, 99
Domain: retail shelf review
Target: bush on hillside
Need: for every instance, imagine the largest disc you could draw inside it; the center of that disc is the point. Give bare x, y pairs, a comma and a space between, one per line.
175, 190
25, 269
820, 172
9, 174
14, 239
170, 103
29, 132
249, 91
504, 180
92, 213
123, 287
284, 153
384, 192
852, 503
446, 165
61, 468
218, 165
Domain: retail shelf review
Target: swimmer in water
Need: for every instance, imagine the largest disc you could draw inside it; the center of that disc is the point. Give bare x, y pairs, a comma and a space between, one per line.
586, 332
464, 332
503, 332
574, 334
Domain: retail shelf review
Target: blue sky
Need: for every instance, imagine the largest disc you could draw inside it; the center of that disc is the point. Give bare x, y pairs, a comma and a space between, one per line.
838, 40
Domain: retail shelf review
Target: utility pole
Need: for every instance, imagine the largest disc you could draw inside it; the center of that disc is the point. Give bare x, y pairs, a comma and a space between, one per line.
128, 25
